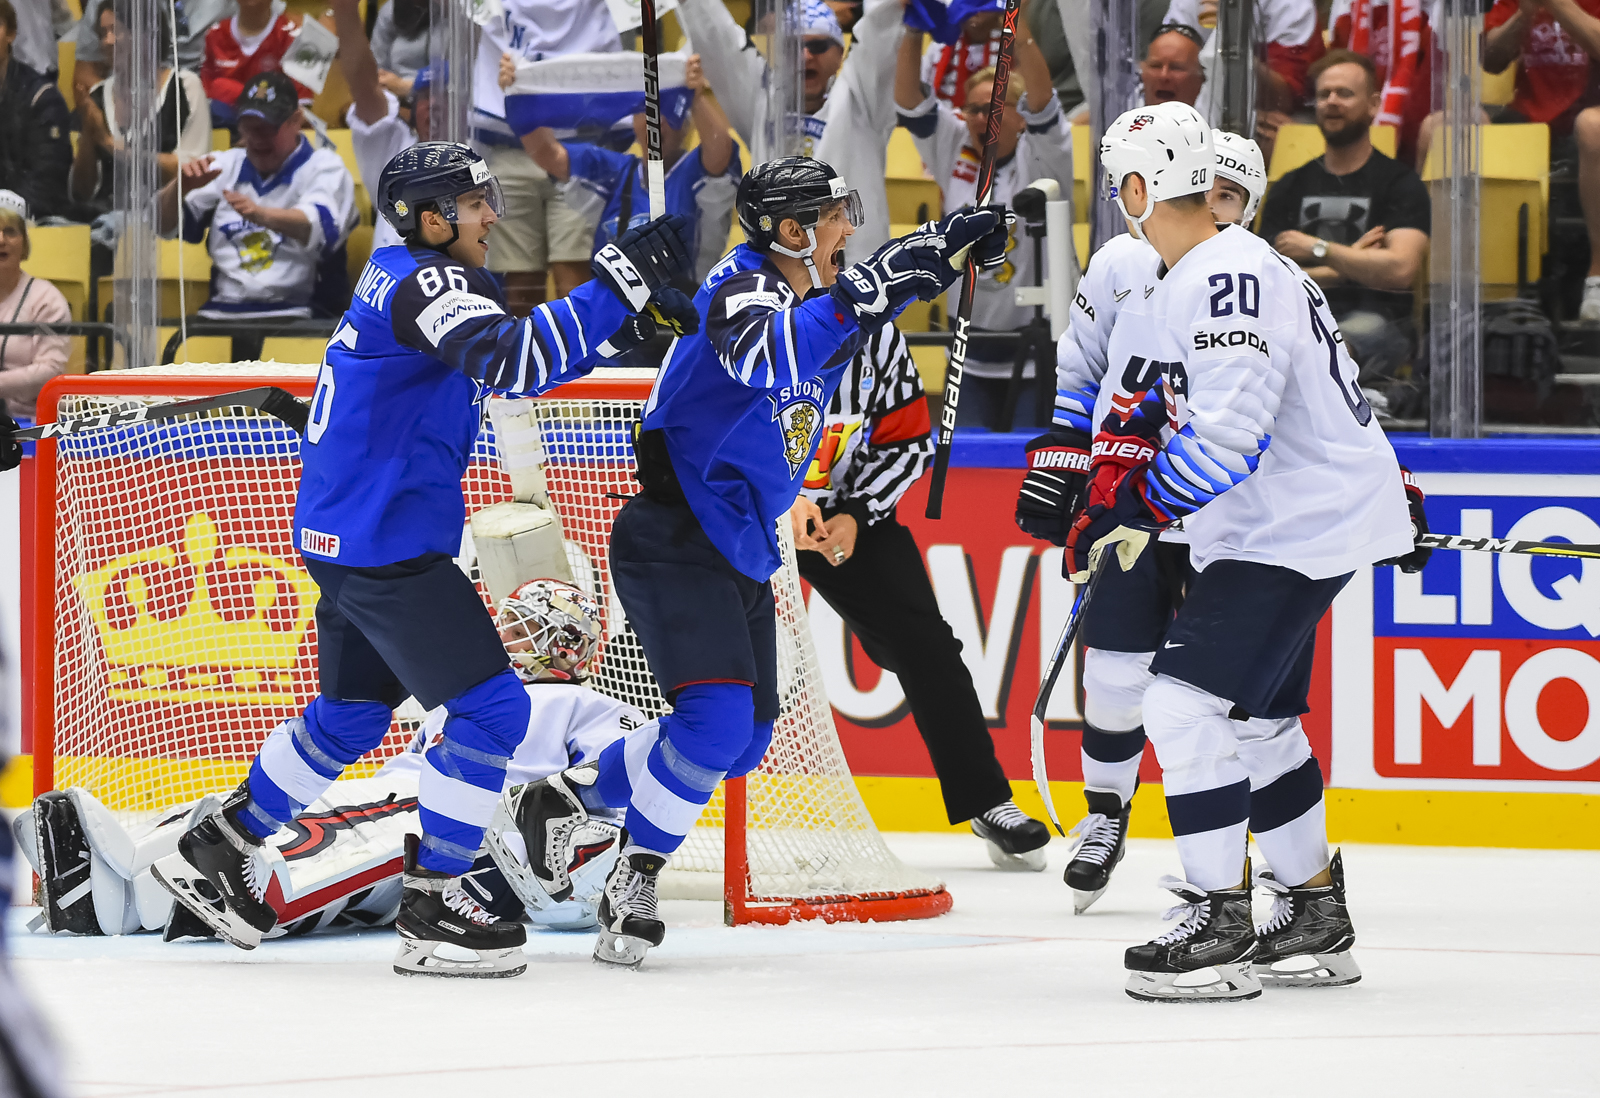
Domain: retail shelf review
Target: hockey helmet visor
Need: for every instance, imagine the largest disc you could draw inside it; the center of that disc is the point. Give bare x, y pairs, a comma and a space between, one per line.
450, 178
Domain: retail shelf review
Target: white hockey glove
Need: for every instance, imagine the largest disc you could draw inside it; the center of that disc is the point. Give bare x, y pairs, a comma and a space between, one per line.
643, 260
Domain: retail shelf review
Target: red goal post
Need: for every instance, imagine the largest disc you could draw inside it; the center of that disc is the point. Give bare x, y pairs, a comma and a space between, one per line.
175, 627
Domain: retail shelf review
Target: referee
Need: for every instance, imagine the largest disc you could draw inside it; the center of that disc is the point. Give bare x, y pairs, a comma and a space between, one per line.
875, 444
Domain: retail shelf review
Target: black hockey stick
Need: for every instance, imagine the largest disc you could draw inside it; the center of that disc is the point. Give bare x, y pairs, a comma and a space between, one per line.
275, 402
655, 172
1507, 545
958, 345
1069, 633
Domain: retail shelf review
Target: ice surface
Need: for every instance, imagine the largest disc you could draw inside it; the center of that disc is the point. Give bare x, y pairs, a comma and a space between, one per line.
1482, 977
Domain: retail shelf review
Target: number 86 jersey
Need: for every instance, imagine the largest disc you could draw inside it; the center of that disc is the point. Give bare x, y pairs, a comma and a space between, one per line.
1272, 454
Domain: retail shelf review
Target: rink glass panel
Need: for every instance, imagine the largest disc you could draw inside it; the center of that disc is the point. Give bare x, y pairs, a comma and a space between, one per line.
184, 628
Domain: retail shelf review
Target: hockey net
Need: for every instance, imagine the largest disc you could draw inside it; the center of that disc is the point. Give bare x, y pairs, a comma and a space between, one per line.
179, 626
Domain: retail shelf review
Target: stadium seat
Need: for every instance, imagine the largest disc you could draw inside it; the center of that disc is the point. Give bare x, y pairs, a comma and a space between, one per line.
1500, 88
60, 253
358, 249
1301, 142
913, 201
1515, 173
196, 279
67, 59
331, 102
293, 349
221, 139
1082, 190
1080, 241
904, 160
197, 348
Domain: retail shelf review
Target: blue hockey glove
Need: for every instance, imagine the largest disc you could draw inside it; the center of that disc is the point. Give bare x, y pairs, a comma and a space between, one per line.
987, 227
880, 285
669, 310
643, 260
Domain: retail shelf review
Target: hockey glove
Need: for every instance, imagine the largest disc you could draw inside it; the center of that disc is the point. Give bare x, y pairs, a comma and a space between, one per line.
669, 310
644, 259
1418, 557
10, 448
1122, 451
990, 252
881, 285
1052, 492
986, 227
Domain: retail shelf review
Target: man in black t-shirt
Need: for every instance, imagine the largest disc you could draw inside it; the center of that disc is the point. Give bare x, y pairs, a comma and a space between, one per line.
1356, 220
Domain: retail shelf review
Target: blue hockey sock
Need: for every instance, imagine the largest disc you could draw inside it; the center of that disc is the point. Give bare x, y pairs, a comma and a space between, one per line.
305, 754
672, 779
464, 775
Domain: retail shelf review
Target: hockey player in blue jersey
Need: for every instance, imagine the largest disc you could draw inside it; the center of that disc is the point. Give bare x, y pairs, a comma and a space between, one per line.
378, 519
728, 433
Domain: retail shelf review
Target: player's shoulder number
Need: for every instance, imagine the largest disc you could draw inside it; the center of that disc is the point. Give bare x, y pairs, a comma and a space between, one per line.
432, 281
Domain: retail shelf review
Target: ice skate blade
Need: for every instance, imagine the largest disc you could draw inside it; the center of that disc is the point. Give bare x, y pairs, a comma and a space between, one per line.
1310, 970
619, 950
1031, 861
177, 876
446, 959
1217, 984
1082, 901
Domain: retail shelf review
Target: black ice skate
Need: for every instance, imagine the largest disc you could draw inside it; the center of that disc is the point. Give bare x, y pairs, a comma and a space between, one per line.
445, 932
1102, 841
66, 897
1015, 839
547, 813
1306, 940
630, 922
218, 874
1206, 957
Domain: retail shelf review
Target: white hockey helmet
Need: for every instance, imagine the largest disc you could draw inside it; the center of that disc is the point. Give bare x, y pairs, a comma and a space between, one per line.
1168, 145
1239, 159
551, 631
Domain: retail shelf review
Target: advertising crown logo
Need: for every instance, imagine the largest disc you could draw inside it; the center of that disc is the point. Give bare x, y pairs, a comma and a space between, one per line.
201, 654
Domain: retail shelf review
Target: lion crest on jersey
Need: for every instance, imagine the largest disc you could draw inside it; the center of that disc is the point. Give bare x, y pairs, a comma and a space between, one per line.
797, 410
255, 251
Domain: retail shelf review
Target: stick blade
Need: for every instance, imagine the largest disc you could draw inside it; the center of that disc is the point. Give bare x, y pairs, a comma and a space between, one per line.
1041, 777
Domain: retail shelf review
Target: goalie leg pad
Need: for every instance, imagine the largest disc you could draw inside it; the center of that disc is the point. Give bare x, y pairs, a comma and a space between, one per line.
62, 860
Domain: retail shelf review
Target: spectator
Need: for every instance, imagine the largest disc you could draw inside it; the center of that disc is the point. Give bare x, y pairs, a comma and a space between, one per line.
1035, 142
1291, 33
400, 44
1557, 41
35, 149
195, 18
538, 231
1355, 219
849, 101
610, 188
377, 132
277, 210
26, 361
182, 124
243, 47
1171, 70
34, 40
1406, 73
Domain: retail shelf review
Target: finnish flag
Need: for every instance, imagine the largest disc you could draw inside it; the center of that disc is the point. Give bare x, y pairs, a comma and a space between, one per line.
588, 90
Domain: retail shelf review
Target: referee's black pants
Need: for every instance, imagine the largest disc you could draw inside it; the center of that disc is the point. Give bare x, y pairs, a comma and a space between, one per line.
883, 594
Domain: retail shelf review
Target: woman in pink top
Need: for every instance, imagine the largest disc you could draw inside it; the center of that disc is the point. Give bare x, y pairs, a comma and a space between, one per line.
26, 361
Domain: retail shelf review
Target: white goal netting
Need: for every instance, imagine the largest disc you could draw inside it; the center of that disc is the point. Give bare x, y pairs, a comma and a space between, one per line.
183, 626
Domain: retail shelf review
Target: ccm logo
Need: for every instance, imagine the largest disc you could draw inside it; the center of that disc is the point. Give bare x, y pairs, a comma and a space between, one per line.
1135, 451
1074, 460
1205, 341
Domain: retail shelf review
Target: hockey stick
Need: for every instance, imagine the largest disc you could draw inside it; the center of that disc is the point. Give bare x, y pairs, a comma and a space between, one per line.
958, 345
1506, 545
275, 402
1069, 633
655, 173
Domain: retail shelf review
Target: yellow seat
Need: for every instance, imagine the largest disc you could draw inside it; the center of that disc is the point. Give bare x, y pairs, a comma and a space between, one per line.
220, 140
1515, 173
358, 249
306, 349
196, 279
1301, 142
913, 201
1083, 189
60, 253
1080, 241
197, 348
67, 59
932, 363
904, 160
1500, 88
333, 100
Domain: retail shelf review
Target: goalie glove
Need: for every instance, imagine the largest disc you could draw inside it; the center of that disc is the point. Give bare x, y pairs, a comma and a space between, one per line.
669, 310
10, 448
1415, 560
644, 259
1052, 492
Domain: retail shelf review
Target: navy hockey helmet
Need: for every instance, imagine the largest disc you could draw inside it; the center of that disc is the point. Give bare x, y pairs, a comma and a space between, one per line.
797, 187
433, 173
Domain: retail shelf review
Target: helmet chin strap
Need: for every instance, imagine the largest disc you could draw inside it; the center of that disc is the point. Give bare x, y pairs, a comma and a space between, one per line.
804, 256
1136, 224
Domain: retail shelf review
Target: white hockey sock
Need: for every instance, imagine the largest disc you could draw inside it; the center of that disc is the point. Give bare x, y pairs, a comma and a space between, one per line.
1207, 786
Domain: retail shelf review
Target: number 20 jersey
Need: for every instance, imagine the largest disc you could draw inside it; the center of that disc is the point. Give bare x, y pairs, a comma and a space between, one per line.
1271, 452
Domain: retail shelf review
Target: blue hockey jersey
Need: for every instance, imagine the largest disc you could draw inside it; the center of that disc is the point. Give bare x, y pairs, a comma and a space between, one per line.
741, 402
398, 400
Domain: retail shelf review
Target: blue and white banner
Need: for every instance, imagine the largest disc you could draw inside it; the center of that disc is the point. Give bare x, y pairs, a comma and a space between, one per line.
584, 90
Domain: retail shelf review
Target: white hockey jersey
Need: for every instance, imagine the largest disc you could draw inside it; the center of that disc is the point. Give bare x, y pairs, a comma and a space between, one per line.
851, 131
254, 270
1044, 151
1124, 270
1271, 452
375, 146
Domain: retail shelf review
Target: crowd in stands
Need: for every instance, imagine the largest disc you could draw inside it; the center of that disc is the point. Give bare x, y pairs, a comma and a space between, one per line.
276, 204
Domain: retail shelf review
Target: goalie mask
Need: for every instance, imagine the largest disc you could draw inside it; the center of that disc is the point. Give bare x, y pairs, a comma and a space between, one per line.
1168, 145
1239, 160
551, 631
797, 187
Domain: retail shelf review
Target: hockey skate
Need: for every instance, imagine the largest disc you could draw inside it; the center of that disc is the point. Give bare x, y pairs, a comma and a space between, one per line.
219, 875
1306, 939
1015, 840
630, 922
1206, 958
66, 894
1102, 841
547, 813
445, 932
